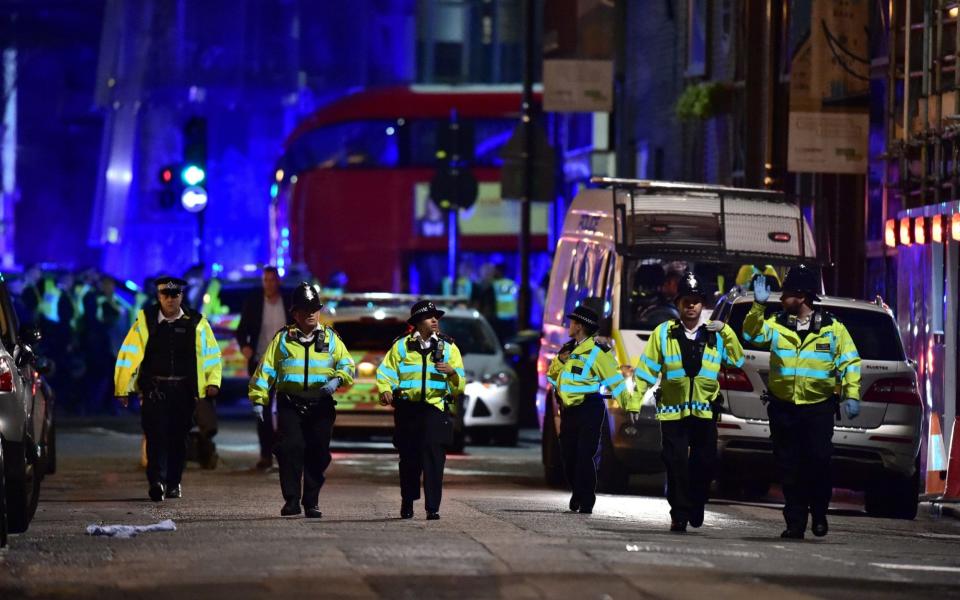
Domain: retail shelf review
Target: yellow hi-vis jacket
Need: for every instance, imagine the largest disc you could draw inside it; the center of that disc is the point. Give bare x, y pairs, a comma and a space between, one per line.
805, 372
682, 396
134, 345
506, 293
298, 369
407, 369
591, 369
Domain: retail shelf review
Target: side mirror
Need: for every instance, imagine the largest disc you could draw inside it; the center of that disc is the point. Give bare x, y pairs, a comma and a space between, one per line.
512, 349
24, 356
30, 336
913, 363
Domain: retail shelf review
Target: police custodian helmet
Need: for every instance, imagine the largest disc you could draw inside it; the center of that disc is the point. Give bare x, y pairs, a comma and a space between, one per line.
689, 286
803, 280
422, 310
585, 316
306, 297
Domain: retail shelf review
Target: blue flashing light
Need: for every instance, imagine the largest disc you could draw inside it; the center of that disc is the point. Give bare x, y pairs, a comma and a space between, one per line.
391, 131
285, 232
274, 190
285, 243
281, 271
281, 263
133, 287
192, 175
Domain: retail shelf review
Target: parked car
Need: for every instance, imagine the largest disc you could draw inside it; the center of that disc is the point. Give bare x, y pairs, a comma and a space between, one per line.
878, 452
27, 438
488, 410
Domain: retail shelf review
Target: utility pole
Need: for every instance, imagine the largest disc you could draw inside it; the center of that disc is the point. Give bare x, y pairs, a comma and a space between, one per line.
523, 297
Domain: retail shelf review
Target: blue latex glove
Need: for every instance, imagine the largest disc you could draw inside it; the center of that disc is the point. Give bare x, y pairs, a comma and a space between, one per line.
851, 408
331, 386
258, 411
761, 291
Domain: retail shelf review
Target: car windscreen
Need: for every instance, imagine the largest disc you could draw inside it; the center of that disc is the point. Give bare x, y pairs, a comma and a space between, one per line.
369, 333
472, 336
874, 334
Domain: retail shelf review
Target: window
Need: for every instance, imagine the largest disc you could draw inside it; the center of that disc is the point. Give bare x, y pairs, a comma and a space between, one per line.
472, 336
697, 38
369, 333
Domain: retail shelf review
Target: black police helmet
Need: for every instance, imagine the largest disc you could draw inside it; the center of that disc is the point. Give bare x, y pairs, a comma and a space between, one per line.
586, 316
306, 297
168, 284
689, 286
422, 310
803, 280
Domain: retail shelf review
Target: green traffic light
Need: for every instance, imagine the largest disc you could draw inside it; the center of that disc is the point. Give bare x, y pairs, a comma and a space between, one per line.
192, 175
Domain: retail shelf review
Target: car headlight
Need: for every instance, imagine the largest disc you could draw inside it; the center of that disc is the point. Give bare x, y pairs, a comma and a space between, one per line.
499, 378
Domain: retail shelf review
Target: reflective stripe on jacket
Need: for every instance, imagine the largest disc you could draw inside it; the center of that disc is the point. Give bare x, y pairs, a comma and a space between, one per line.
413, 372
506, 294
662, 359
299, 369
805, 372
591, 369
131, 354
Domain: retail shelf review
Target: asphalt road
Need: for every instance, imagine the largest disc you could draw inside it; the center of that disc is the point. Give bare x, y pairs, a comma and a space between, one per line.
502, 535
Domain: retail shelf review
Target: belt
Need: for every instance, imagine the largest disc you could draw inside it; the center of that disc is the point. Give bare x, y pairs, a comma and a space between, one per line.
170, 379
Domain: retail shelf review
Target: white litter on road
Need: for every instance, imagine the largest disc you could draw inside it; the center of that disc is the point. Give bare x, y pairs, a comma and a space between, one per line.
129, 531
917, 567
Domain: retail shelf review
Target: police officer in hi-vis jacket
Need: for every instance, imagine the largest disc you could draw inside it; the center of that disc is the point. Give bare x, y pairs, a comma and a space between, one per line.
579, 373
306, 362
422, 375
811, 352
686, 356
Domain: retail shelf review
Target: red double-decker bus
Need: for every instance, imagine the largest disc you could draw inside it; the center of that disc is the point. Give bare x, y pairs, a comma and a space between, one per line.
354, 189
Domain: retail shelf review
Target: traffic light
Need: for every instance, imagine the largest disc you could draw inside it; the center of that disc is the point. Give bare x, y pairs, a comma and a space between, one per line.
193, 172
454, 186
168, 187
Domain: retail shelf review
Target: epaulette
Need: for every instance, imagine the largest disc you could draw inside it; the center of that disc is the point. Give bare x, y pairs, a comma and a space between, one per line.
604, 346
446, 338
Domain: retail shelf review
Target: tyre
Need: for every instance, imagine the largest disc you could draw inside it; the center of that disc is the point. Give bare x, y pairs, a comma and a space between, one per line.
550, 451
50, 451
612, 476
895, 497
22, 486
3, 503
507, 435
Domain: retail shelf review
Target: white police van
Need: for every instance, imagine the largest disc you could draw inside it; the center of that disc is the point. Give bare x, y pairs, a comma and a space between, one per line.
621, 249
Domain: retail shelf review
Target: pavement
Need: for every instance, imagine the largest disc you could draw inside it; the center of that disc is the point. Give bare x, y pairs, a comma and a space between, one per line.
502, 534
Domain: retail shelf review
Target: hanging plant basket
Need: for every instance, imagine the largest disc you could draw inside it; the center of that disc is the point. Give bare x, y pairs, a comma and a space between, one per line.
702, 101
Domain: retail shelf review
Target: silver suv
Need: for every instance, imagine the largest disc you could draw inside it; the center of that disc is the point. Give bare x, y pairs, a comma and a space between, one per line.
877, 453
27, 449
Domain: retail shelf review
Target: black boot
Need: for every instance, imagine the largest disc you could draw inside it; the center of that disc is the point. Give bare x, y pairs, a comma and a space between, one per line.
792, 533
819, 526
175, 491
290, 508
696, 517
312, 512
406, 509
574, 504
157, 491
433, 516
678, 526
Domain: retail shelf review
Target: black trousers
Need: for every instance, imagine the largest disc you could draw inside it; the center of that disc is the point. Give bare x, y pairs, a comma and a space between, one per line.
303, 449
166, 415
690, 455
421, 435
802, 437
580, 447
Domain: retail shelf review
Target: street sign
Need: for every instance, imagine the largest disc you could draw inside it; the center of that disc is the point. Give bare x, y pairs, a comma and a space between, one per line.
544, 166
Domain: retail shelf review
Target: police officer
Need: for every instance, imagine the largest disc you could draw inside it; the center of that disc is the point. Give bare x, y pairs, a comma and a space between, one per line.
421, 376
810, 350
686, 355
306, 362
171, 357
578, 372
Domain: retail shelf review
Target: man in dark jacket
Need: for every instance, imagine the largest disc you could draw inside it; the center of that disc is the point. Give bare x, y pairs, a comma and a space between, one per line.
262, 316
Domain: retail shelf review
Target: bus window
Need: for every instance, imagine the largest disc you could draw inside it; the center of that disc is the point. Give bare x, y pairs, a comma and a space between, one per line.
363, 144
489, 137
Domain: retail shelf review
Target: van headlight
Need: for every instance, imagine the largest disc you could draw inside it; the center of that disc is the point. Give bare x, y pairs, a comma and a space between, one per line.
503, 378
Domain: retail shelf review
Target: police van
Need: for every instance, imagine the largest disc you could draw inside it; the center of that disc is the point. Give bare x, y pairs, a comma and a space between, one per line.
621, 252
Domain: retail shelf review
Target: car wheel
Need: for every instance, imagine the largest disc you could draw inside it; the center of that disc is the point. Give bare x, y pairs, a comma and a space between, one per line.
508, 435
550, 451
3, 503
612, 476
50, 449
22, 487
895, 497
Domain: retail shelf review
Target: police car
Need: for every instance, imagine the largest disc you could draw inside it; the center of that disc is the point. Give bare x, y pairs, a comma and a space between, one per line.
878, 452
369, 323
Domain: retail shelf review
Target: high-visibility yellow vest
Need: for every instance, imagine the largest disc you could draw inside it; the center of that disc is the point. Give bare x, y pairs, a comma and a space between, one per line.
464, 287
407, 369
299, 369
806, 371
591, 369
682, 396
506, 295
134, 346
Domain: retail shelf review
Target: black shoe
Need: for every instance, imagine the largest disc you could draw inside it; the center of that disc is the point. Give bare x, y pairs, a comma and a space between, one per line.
696, 517
175, 491
289, 509
406, 509
157, 490
312, 512
433, 516
585, 510
819, 527
574, 504
792, 534
678, 526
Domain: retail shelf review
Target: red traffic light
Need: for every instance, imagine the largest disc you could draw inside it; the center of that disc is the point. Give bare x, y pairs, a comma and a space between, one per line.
166, 175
